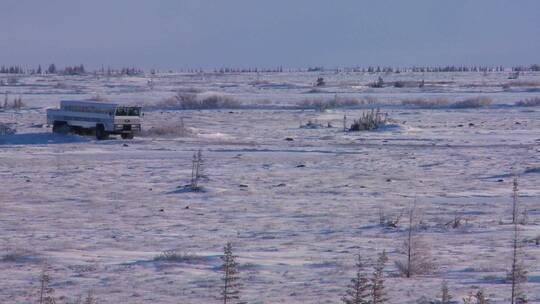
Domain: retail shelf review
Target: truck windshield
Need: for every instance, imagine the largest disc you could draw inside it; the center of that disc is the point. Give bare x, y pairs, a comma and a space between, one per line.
128, 111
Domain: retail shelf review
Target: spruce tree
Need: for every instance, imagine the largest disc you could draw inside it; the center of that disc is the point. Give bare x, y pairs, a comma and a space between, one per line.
358, 291
90, 298
517, 273
230, 292
51, 69
481, 298
446, 297
46, 293
378, 295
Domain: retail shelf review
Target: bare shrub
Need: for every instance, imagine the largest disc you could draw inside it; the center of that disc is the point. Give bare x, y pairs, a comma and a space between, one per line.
190, 101
446, 297
312, 124
90, 299
178, 257
168, 130
97, 97
418, 259
61, 85
325, 104
182, 101
476, 298
196, 171
515, 200
522, 84
7, 129
314, 91
17, 103
370, 100
46, 293
370, 120
17, 255
407, 84
314, 104
377, 84
388, 221
259, 82
426, 103
530, 102
190, 90
473, 102
219, 102
12, 80
458, 222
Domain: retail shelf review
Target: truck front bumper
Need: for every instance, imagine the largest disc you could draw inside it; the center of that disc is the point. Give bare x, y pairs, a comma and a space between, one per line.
124, 128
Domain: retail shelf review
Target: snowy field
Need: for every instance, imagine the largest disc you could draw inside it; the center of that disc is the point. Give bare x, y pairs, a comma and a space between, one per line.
297, 211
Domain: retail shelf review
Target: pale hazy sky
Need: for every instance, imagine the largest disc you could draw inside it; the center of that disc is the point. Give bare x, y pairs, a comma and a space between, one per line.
248, 33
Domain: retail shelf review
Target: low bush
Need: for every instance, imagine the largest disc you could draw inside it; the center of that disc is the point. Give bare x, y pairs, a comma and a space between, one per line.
191, 101
219, 102
168, 130
325, 104
408, 84
469, 103
474, 102
312, 124
7, 129
17, 256
178, 257
189, 90
521, 84
370, 120
12, 80
377, 84
97, 97
426, 103
530, 102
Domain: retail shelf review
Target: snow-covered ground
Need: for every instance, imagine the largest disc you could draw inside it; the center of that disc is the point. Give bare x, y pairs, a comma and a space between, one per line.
297, 211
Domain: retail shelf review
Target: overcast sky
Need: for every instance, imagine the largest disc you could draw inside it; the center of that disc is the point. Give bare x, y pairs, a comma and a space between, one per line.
266, 33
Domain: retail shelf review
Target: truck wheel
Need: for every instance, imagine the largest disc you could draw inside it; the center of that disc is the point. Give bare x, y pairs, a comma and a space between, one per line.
60, 127
127, 135
101, 133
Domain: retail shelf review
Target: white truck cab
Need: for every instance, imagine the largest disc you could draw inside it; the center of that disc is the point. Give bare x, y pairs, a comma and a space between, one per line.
92, 117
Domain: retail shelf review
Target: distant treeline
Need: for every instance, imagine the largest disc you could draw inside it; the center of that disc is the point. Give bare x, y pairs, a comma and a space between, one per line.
439, 69
70, 70
131, 71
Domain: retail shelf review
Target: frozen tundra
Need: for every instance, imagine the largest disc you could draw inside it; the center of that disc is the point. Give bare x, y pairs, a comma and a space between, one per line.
101, 119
